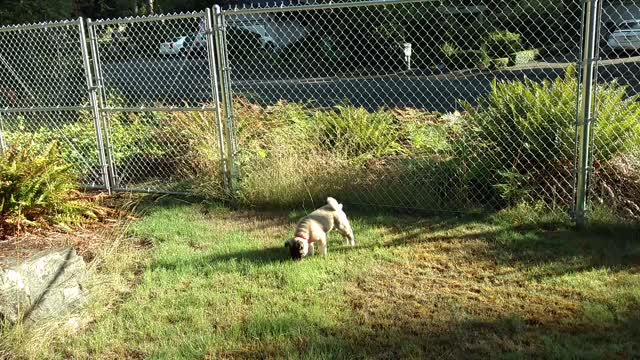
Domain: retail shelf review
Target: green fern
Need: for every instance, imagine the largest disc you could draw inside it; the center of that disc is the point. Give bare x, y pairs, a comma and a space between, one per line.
38, 188
355, 132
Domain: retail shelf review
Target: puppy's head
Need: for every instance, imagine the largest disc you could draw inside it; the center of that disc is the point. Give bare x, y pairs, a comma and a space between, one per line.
298, 248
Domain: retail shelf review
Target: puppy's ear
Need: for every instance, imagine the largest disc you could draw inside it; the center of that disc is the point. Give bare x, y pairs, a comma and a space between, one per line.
287, 243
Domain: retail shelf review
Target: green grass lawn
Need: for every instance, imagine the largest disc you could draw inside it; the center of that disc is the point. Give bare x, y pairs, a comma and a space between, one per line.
218, 284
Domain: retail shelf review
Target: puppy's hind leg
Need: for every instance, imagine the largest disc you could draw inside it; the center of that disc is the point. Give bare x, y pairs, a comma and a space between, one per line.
344, 228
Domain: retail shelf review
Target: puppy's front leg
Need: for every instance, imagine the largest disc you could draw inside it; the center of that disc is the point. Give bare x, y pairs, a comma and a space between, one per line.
322, 245
312, 249
323, 248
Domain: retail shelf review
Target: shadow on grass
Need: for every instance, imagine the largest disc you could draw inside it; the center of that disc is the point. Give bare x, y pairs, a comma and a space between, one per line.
522, 240
506, 337
257, 257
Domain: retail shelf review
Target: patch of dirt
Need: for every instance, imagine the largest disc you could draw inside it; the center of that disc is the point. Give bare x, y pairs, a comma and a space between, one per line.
86, 241
453, 295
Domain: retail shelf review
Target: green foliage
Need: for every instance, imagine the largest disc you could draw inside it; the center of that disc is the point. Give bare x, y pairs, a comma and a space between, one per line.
525, 56
541, 23
29, 11
134, 136
513, 186
37, 187
355, 132
457, 59
450, 50
81, 134
529, 128
197, 153
502, 44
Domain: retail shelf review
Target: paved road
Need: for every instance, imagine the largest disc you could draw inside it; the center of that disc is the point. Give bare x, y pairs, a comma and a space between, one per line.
176, 82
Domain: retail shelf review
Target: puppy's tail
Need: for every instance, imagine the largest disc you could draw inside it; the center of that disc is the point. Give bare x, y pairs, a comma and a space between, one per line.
334, 204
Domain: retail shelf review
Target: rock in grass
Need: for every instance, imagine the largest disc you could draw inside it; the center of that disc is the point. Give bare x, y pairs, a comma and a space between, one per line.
45, 286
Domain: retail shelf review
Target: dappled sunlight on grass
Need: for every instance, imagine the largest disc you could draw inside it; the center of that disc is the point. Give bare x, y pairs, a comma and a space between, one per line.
219, 284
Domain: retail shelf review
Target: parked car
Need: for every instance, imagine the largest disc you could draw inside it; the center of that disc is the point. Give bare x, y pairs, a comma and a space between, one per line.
625, 37
266, 41
173, 47
195, 45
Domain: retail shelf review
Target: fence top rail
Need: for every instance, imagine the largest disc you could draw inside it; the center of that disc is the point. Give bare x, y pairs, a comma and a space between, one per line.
146, 18
309, 7
42, 25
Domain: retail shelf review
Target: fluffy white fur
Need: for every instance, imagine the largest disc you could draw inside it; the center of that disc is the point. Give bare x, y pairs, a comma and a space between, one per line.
313, 229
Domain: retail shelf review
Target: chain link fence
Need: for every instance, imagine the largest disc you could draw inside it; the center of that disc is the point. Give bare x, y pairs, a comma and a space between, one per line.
616, 136
413, 104
424, 104
44, 96
159, 101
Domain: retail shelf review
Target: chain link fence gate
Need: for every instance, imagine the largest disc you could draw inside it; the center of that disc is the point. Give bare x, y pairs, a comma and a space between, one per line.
615, 149
45, 95
159, 99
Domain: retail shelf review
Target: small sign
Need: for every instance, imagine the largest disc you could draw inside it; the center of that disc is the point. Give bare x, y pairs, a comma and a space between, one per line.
407, 49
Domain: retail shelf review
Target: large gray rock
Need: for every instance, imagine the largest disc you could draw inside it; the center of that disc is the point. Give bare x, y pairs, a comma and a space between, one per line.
47, 285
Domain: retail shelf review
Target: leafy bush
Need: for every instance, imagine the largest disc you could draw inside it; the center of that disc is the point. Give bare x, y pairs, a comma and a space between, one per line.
355, 132
502, 44
458, 59
449, 50
525, 56
305, 154
136, 138
499, 63
523, 133
198, 157
38, 188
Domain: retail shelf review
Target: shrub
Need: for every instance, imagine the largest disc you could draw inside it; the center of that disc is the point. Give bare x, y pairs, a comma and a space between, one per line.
499, 63
450, 50
457, 59
38, 188
198, 159
523, 57
355, 132
502, 44
143, 144
293, 155
522, 135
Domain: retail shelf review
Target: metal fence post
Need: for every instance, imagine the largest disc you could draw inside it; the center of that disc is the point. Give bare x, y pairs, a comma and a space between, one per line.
210, 20
3, 144
95, 55
93, 99
227, 102
585, 117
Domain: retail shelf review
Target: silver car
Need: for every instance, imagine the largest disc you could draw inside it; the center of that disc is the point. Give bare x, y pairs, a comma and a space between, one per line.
626, 36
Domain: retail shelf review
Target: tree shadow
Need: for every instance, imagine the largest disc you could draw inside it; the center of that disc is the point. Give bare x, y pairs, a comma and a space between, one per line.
42, 296
526, 243
507, 336
259, 257
529, 244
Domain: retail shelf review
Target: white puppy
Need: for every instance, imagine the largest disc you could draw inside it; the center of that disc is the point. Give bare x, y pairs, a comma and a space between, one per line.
314, 228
